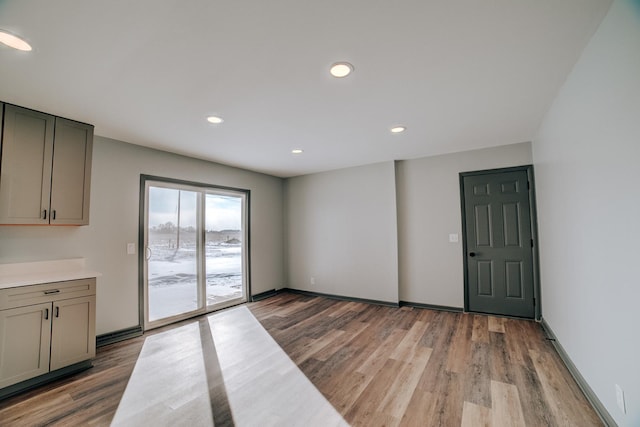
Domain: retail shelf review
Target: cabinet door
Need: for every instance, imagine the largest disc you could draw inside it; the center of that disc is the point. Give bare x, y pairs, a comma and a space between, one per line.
71, 177
25, 172
73, 334
25, 335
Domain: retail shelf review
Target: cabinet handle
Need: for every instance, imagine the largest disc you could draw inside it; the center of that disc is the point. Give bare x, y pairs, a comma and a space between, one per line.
53, 214
57, 311
45, 214
52, 291
46, 314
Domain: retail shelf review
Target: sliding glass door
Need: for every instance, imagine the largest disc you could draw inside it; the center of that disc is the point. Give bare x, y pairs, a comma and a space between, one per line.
195, 240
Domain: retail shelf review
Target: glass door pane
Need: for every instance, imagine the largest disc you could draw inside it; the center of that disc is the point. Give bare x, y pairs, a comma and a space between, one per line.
172, 253
224, 243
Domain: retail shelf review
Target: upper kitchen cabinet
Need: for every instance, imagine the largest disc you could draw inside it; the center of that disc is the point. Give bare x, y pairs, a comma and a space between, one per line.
71, 172
45, 171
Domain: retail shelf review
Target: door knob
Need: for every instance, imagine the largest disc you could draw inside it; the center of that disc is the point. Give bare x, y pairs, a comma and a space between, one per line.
472, 254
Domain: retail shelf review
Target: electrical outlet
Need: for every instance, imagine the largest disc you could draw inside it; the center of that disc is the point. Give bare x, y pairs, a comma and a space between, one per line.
620, 399
313, 280
131, 248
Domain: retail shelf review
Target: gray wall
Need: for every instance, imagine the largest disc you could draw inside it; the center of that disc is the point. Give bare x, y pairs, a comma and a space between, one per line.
381, 232
114, 222
431, 269
587, 159
342, 231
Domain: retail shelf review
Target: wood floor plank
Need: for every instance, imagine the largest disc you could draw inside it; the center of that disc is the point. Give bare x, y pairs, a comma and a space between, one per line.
460, 347
496, 324
480, 328
369, 402
407, 349
400, 391
438, 336
447, 408
478, 375
376, 360
418, 413
476, 416
534, 407
505, 405
344, 308
315, 345
501, 369
352, 332
441, 328
345, 396
517, 345
562, 395
46, 406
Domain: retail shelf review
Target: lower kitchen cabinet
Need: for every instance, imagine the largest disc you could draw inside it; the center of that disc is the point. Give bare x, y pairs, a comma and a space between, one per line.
45, 328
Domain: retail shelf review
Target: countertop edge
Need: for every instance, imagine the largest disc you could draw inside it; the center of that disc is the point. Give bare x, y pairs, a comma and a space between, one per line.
44, 277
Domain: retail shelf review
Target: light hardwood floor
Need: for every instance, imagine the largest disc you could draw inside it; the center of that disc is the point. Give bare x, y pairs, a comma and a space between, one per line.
388, 366
375, 365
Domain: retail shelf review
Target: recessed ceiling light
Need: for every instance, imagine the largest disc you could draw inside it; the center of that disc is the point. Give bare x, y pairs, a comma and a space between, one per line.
341, 69
215, 120
14, 41
296, 151
398, 129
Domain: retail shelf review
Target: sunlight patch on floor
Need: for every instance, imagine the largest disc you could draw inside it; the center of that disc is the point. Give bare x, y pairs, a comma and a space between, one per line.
263, 386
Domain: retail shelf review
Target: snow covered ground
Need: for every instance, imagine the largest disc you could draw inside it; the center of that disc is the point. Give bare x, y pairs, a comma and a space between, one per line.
173, 275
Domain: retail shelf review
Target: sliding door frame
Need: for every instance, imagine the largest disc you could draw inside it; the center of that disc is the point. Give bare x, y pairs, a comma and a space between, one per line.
142, 223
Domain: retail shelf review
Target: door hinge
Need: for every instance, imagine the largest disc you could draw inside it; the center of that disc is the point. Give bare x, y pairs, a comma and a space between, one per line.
534, 302
531, 242
528, 185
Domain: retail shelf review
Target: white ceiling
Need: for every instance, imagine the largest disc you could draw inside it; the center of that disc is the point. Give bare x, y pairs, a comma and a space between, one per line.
460, 74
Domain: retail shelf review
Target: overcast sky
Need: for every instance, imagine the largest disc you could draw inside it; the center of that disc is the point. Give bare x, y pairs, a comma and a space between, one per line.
222, 212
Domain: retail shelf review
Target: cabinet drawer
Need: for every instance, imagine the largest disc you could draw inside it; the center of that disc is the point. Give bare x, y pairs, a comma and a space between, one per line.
36, 294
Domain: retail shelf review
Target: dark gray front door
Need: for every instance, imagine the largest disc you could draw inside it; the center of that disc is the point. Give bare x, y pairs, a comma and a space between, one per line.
499, 253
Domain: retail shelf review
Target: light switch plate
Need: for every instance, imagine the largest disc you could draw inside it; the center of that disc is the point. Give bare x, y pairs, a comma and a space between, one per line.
453, 238
131, 248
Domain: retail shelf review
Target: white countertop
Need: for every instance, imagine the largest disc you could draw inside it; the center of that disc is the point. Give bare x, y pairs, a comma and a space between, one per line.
33, 273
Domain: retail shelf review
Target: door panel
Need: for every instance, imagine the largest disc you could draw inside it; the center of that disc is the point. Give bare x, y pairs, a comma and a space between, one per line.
71, 176
485, 278
224, 239
483, 225
511, 215
498, 240
25, 181
514, 279
73, 331
172, 242
25, 335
